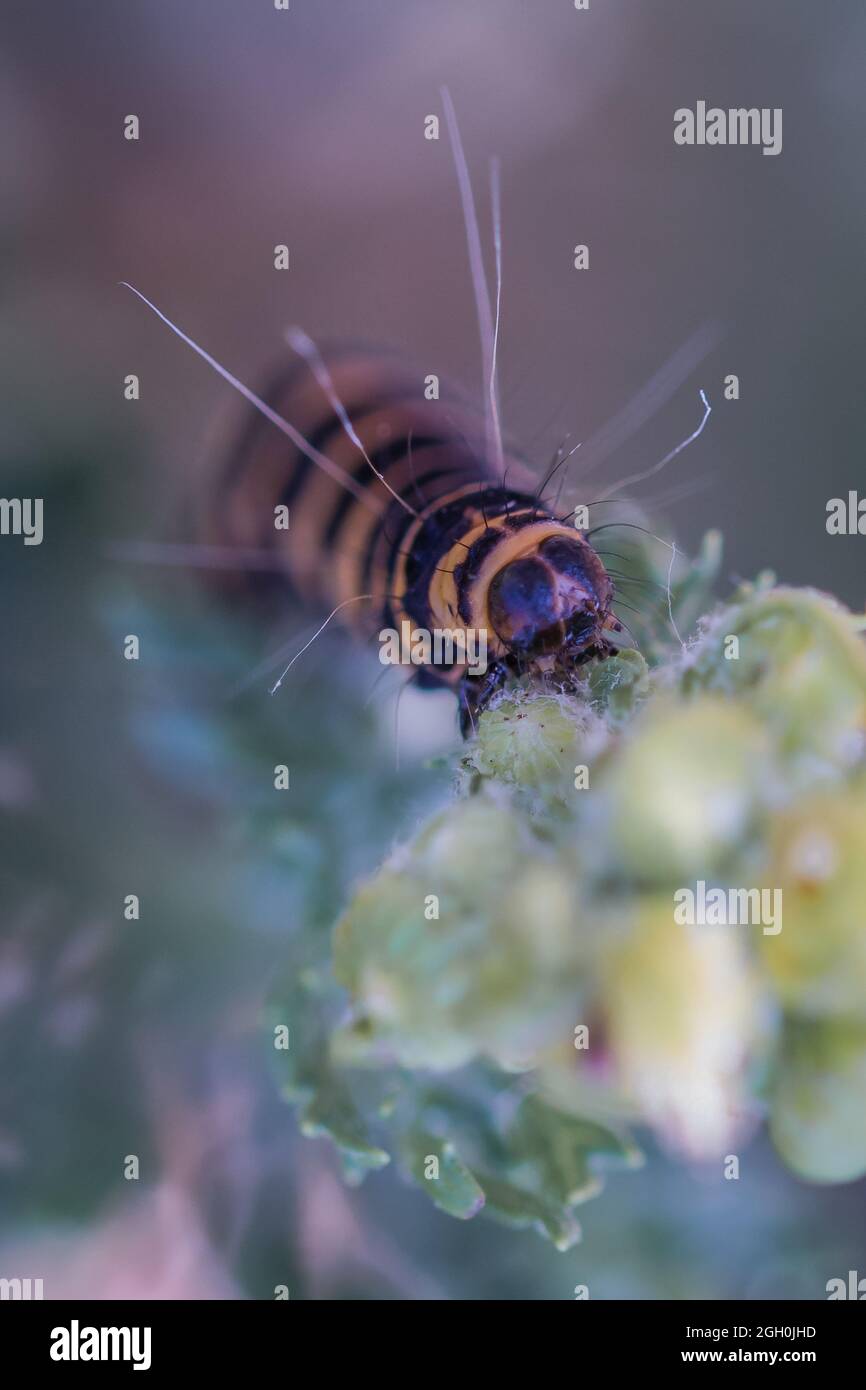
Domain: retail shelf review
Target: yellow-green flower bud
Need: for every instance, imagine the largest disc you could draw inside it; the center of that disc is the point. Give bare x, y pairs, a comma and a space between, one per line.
818, 961
681, 1017
798, 659
682, 792
465, 943
818, 1115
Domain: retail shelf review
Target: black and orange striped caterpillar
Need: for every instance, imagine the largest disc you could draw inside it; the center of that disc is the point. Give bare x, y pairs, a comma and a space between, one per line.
407, 509
427, 534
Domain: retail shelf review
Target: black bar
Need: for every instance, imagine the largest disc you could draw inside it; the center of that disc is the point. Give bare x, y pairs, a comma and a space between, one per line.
271, 1338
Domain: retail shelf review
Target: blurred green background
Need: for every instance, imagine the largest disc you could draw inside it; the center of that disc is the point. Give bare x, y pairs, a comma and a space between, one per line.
259, 127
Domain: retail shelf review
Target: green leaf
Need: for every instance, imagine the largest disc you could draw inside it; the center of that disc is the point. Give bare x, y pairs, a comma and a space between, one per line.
453, 1189
564, 1150
517, 1207
332, 1113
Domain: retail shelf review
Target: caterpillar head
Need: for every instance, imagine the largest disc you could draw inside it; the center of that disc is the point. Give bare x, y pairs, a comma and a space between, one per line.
550, 606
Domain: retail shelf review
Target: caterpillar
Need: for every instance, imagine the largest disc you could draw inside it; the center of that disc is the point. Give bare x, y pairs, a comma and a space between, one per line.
469, 553
405, 509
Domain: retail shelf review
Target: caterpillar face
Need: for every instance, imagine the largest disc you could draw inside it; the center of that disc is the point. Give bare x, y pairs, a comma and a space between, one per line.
551, 603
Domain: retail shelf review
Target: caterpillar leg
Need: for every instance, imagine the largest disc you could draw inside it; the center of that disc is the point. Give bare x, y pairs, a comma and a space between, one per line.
476, 692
